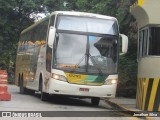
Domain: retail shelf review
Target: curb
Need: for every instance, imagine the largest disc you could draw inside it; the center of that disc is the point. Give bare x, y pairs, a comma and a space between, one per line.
127, 110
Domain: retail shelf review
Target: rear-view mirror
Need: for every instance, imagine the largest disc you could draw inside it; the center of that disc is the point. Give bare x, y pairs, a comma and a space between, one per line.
124, 44
51, 36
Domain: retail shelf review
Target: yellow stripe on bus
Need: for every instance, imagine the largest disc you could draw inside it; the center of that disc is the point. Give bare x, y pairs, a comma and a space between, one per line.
159, 108
145, 92
153, 94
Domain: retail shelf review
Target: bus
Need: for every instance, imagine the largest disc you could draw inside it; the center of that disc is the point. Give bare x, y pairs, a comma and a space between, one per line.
71, 54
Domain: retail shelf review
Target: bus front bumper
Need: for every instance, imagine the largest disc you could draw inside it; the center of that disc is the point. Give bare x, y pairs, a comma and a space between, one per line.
65, 88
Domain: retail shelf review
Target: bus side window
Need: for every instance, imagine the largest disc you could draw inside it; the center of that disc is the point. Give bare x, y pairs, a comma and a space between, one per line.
52, 20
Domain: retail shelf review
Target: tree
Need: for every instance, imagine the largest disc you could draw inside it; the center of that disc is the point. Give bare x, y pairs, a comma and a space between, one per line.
15, 16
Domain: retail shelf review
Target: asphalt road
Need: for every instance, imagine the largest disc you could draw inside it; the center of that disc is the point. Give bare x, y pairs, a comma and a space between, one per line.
58, 107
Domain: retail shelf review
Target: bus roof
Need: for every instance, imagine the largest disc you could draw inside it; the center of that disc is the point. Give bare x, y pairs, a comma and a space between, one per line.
74, 13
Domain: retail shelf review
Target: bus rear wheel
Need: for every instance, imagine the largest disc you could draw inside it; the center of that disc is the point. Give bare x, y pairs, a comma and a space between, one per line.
44, 96
95, 101
22, 89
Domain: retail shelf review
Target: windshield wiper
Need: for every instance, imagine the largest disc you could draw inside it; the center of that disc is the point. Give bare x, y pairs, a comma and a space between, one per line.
95, 65
93, 61
87, 56
79, 62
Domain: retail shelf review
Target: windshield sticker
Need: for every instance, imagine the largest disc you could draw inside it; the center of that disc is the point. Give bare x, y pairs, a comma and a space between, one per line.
91, 38
68, 66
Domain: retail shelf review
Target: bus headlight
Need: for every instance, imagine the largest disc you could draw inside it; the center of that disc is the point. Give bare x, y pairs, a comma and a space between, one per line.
58, 77
110, 82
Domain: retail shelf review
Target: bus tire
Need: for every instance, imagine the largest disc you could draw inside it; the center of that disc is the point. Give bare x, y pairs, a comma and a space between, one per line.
95, 101
44, 96
22, 89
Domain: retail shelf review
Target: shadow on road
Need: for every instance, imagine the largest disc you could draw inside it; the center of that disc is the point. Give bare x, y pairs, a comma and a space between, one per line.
63, 100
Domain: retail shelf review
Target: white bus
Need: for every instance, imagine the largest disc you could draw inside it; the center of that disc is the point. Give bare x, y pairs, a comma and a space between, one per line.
70, 53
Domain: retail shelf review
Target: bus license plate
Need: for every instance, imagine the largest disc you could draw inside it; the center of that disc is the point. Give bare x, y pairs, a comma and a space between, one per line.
84, 89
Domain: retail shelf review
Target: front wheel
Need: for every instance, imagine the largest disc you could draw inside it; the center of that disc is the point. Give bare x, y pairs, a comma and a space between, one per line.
95, 101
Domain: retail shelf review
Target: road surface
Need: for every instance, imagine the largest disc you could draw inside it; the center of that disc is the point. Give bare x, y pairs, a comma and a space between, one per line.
58, 108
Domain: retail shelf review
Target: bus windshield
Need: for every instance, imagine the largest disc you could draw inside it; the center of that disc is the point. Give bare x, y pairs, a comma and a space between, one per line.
86, 24
85, 51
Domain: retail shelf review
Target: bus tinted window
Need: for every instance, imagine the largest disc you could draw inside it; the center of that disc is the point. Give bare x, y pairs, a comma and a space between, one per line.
85, 24
52, 20
34, 36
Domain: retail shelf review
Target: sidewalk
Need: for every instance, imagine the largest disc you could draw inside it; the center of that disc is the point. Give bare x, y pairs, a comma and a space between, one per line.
124, 103
129, 105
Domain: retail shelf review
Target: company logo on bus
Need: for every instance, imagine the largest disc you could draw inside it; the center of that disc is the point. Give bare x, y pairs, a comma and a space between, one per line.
75, 76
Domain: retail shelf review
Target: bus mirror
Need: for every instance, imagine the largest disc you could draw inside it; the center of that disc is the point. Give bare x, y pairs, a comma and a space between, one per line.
51, 36
124, 43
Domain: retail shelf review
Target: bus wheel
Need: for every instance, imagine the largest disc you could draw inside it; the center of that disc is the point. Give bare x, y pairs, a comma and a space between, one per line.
22, 89
44, 96
95, 101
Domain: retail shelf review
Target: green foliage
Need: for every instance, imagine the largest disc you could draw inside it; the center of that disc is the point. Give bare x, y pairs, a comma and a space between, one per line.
97, 6
53, 5
14, 17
